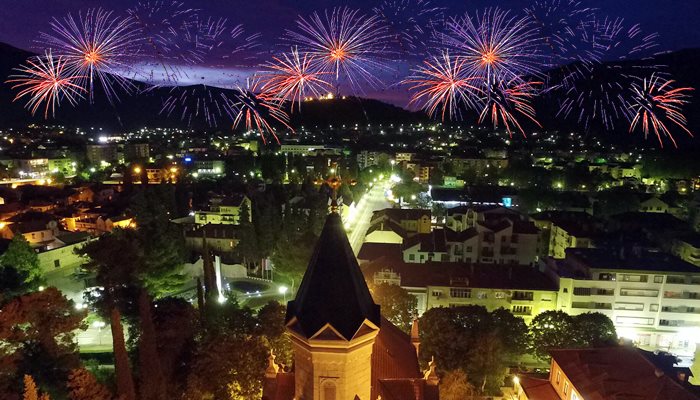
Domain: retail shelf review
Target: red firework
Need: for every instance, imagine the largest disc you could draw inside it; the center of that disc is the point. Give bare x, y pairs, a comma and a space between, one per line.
293, 77
507, 99
257, 110
98, 47
345, 43
654, 99
45, 80
442, 82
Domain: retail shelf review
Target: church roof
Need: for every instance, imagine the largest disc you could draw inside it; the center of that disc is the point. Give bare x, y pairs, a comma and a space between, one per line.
333, 290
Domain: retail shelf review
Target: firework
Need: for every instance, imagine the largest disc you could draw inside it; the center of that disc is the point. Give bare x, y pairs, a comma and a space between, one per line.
292, 77
562, 25
258, 110
45, 80
410, 22
653, 99
597, 91
505, 100
495, 44
344, 42
442, 83
161, 23
199, 102
96, 46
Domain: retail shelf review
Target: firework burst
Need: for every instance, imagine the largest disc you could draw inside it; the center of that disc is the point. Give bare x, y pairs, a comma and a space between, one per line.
495, 44
506, 100
442, 83
653, 99
411, 22
199, 102
598, 91
292, 77
97, 46
256, 110
343, 41
46, 80
562, 25
161, 23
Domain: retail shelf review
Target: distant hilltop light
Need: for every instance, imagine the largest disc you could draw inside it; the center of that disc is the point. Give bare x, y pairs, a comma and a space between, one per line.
328, 96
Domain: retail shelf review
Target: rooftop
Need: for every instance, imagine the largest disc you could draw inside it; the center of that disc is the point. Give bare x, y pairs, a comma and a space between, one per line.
600, 258
615, 373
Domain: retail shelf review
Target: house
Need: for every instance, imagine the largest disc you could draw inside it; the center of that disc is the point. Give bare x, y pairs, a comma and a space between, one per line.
410, 220
343, 347
61, 253
225, 211
220, 238
611, 373
654, 204
38, 228
385, 231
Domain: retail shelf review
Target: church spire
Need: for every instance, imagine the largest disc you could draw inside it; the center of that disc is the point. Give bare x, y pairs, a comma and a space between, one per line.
333, 291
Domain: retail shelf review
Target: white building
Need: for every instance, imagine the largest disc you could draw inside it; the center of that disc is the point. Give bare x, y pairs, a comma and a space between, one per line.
652, 298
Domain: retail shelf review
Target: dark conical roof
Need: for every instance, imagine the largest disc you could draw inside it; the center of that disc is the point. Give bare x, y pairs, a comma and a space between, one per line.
333, 290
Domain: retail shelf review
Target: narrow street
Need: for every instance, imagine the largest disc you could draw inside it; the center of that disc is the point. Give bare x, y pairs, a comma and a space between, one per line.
372, 201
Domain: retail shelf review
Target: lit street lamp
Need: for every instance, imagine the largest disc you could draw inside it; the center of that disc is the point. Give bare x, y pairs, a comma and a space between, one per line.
283, 291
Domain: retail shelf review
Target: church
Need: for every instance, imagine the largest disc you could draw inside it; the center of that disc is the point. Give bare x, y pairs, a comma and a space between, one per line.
343, 348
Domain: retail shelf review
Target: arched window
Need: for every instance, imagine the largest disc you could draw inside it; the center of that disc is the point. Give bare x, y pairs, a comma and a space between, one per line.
328, 391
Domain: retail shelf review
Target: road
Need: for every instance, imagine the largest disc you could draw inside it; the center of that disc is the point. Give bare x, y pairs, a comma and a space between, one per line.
372, 201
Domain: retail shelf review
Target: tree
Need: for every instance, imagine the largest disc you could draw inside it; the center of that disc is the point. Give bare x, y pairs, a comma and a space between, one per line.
594, 329
397, 305
551, 329
82, 385
271, 326
476, 341
30, 390
455, 386
37, 337
227, 366
21, 257
111, 258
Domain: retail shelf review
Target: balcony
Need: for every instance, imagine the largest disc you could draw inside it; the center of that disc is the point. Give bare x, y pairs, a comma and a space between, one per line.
681, 309
523, 296
591, 305
682, 295
639, 292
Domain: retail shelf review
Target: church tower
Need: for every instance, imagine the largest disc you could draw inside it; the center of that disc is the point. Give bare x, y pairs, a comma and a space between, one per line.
333, 323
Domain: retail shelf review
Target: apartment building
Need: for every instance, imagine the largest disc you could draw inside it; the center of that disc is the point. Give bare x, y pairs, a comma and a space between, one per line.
523, 290
652, 298
412, 221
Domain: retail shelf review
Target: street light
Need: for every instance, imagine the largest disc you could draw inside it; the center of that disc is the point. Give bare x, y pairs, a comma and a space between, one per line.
283, 291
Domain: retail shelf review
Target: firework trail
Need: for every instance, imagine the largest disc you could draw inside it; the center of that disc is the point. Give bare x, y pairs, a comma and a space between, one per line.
97, 46
598, 91
562, 25
199, 102
256, 110
411, 22
46, 80
442, 82
213, 43
343, 41
161, 23
505, 100
292, 77
653, 99
495, 45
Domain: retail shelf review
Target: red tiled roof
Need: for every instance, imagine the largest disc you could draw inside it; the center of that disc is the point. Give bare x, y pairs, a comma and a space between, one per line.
372, 251
617, 373
538, 389
393, 358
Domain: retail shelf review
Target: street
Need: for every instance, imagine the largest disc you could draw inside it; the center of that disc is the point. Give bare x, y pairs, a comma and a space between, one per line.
359, 223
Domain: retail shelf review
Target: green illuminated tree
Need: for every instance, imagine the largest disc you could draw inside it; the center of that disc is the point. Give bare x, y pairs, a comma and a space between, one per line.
551, 330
